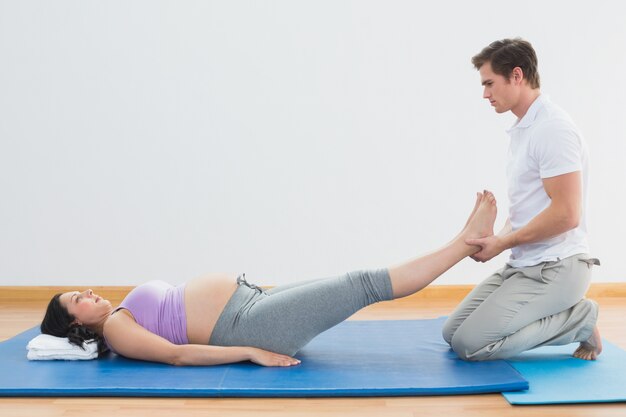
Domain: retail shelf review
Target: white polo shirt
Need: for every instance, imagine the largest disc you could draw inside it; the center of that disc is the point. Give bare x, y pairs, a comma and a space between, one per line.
544, 143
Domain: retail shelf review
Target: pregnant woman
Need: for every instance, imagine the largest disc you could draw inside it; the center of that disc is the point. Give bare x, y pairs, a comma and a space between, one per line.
220, 319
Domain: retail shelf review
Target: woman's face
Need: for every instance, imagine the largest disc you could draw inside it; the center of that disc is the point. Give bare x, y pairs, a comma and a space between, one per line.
87, 307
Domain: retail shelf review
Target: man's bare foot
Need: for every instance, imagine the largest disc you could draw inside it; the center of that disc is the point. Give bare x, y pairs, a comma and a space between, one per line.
590, 349
480, 224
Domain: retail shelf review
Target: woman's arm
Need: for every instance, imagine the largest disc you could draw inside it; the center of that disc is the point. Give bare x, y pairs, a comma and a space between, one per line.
131, 340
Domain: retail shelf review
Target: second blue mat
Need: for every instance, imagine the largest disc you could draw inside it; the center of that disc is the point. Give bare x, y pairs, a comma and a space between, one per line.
355, 358
556, 377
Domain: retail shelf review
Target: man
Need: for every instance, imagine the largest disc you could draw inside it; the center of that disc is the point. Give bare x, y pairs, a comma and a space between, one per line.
538, 297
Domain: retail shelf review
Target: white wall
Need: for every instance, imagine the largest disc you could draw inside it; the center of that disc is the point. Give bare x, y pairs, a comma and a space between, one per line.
288, 139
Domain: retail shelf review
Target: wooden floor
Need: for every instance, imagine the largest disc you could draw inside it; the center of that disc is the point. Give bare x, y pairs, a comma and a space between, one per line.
16, 316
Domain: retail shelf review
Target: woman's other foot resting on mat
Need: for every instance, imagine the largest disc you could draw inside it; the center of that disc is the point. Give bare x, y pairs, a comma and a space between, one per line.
216, 320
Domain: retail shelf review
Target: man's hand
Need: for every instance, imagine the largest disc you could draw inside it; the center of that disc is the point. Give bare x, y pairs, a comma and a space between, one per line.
490, 247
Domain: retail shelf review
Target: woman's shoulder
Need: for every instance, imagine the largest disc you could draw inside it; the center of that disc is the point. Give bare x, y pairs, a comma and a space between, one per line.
118, 318
117, 324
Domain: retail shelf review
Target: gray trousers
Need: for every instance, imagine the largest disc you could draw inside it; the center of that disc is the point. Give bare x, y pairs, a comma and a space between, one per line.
285, 318
517, 309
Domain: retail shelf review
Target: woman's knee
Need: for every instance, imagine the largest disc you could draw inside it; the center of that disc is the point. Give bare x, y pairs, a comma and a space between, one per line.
374, 285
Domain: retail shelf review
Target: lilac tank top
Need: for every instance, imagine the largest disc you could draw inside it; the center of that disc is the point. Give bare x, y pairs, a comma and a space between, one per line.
159, 308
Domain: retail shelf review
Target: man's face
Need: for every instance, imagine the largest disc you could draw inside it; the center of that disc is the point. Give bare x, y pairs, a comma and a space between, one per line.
501, 93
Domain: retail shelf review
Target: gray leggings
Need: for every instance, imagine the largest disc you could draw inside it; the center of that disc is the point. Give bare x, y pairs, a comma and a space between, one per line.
285, 318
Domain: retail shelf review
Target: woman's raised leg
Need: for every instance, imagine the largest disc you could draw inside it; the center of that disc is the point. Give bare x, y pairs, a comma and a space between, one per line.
283, 321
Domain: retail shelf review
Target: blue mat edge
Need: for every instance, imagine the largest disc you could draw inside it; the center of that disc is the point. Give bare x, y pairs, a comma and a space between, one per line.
560, 402
236, 393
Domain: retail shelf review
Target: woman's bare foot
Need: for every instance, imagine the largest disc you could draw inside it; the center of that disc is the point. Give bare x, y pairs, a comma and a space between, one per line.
479, 196
481, 221
590, 349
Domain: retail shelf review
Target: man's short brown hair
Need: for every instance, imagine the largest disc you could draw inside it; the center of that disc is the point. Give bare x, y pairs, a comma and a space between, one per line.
506, 54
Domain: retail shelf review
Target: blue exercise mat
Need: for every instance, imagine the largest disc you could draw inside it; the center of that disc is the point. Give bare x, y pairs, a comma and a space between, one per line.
355, 358
556, 377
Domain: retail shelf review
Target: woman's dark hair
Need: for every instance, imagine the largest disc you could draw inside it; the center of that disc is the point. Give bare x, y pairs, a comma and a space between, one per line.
506, 54
60, 323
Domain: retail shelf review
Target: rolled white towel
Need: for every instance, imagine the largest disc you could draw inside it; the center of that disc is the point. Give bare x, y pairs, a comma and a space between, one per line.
47, 347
